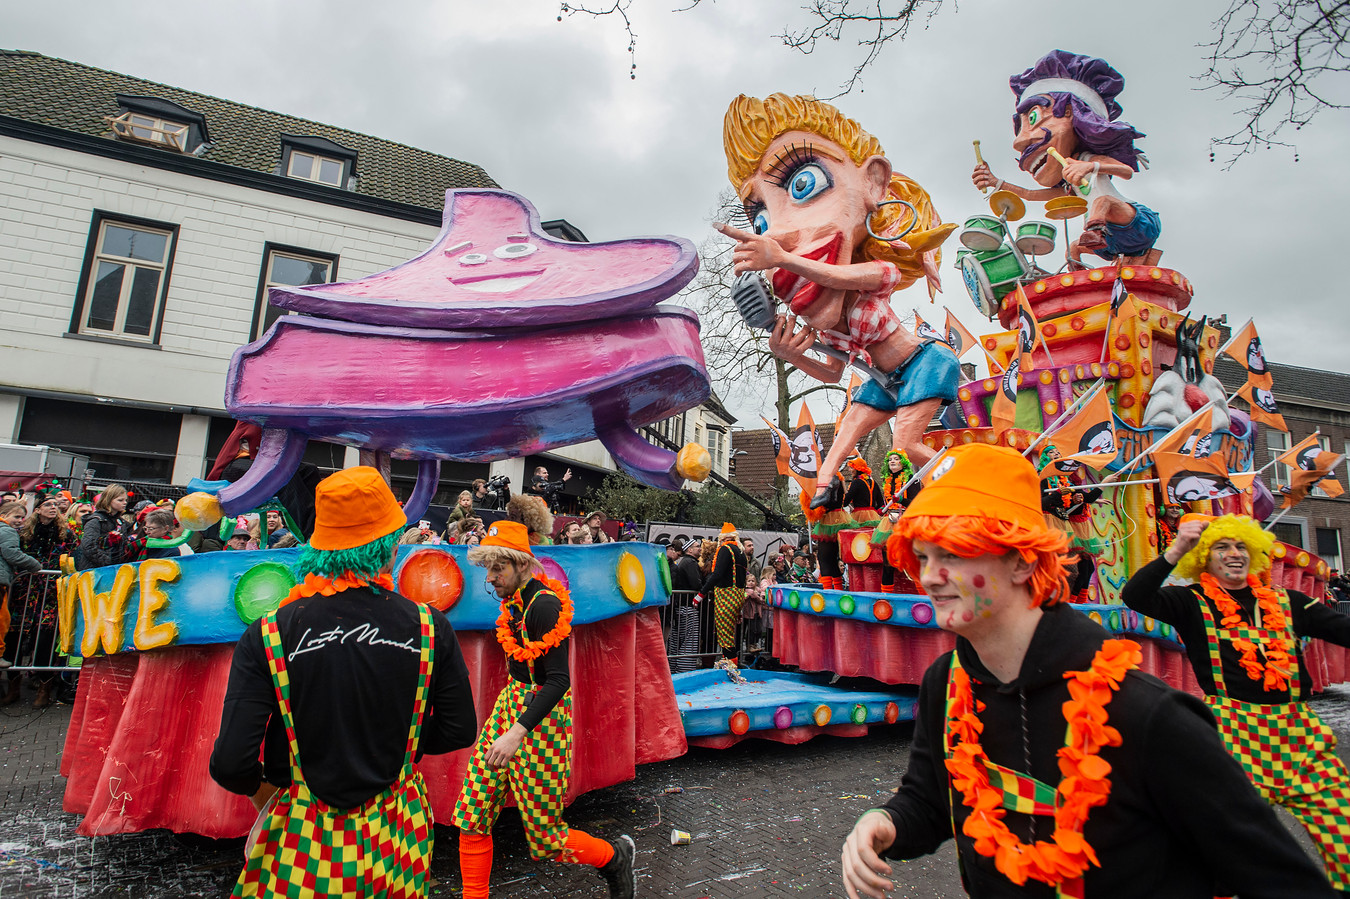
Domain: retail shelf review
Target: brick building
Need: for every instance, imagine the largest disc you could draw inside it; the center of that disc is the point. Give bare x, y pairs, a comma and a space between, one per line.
1310, 400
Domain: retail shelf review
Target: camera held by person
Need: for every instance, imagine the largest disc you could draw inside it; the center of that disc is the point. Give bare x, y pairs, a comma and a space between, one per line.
540, 485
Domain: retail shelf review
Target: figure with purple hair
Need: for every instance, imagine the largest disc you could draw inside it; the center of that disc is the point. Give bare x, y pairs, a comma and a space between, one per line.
1067, 103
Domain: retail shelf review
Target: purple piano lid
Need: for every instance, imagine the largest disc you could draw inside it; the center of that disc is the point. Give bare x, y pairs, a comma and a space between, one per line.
493, 265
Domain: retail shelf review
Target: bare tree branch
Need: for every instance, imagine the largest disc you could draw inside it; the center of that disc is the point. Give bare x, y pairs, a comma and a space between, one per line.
1281, 59
881, 23
1284, 61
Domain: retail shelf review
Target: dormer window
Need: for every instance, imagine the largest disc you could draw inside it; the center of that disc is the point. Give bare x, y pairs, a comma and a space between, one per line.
161, 123
149, 130
319, 160
311, 167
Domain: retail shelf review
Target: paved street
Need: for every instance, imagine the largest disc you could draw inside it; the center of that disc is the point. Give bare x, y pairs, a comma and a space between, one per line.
766, 820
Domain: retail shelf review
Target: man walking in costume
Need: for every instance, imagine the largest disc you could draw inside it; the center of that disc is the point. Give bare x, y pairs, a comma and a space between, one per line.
1243, 639
351, 817
725, 584
1061, 769
525, 748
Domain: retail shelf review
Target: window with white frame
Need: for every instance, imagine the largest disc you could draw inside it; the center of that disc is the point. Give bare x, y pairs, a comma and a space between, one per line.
287, 267
313, 167
125, 280
1277, 443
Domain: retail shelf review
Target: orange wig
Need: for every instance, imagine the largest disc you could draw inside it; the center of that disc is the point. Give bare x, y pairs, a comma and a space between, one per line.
969, 536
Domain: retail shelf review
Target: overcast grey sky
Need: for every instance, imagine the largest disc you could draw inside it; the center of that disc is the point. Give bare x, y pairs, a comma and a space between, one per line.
549, 110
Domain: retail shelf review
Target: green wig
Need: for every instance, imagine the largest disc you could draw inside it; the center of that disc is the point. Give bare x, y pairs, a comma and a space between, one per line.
1228, 527
906, 467
363, 561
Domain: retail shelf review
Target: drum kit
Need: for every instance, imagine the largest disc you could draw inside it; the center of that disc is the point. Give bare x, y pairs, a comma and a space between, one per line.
994, 259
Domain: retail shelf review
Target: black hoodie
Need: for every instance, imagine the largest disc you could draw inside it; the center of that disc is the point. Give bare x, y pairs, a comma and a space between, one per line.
1183, 820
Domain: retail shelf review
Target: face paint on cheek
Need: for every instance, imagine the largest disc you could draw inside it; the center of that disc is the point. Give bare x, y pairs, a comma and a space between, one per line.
967, 615
978, 581
984, 606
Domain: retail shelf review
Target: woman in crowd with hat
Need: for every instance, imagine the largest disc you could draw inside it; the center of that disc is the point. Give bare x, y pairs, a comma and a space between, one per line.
525, 747
1244, 641
345, 687
1059, 768
725, 584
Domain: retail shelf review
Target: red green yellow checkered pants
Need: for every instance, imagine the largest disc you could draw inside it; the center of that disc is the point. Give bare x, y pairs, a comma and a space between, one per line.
1290, 756
727, 603
537, 777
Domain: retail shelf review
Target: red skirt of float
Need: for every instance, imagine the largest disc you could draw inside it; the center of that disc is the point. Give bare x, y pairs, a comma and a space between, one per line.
141, 733
900, 655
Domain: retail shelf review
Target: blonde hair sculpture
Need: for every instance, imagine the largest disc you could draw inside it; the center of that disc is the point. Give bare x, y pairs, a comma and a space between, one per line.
1259, 543
751, 124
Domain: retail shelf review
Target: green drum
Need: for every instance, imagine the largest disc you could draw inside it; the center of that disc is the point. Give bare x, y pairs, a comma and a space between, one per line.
1036, 238
991, 276
982, 232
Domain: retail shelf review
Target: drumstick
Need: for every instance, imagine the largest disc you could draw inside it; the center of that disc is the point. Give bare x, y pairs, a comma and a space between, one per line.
979, 160
1063, 162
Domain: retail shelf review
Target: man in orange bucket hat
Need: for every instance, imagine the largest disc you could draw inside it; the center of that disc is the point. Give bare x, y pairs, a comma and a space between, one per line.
525, 747
351, 816
1061, 769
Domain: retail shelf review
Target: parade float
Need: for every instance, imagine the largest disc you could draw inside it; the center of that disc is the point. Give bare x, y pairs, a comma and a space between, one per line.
498, 341
1103, 377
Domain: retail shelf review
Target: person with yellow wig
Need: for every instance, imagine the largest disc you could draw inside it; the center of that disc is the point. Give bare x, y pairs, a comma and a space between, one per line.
1060, 768
838, 230
1243, 639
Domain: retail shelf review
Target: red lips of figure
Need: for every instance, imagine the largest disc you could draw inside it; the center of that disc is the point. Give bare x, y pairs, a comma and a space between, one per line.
785, 281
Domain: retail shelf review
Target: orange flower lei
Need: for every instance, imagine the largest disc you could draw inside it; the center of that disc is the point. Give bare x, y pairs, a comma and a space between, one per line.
1083, 786
533, 649
318, 583
1274, 674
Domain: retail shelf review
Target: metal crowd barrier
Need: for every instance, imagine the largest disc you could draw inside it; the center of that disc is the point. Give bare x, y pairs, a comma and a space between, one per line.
691, 639
31, 644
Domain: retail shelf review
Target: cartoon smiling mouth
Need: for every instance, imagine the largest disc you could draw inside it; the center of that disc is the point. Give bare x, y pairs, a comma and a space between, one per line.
798, 291
496, 283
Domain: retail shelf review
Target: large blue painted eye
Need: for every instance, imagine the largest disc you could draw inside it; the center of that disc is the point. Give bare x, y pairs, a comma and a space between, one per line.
806, 182
761, 223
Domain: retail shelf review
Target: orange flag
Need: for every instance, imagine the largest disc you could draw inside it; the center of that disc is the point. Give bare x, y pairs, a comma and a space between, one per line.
854, 382
1186, 479
1004, 410
1302, 480
925, 331
797, 456
958, 338
1245, 347
1262, 403
1302, 454
1028, 330
1090, 436
1178, 439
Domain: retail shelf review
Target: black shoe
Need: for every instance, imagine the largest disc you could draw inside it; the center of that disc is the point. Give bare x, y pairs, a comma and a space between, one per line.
823, 493
618, 871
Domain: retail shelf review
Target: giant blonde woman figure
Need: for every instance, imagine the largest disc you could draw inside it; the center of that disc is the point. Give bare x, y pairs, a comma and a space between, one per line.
836, 230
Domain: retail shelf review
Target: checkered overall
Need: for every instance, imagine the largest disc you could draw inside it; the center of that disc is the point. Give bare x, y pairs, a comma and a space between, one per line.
727, 604
1021, 792
1286, 750
536, 777
380, 849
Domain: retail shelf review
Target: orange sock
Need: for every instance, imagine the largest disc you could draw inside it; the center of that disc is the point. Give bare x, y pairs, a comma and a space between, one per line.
584, 849
475, 863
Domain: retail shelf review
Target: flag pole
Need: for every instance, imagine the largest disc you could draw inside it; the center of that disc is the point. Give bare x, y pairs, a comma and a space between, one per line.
923, 471
1233, 337
1270, 524
1073, 409
1127, 466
